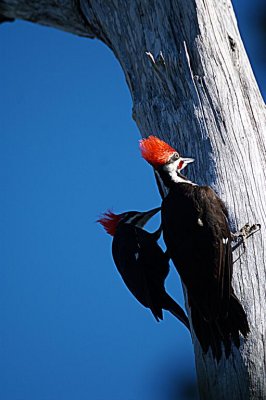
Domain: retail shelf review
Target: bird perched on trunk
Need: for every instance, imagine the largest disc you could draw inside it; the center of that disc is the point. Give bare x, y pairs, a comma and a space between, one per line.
198, 239
141, 262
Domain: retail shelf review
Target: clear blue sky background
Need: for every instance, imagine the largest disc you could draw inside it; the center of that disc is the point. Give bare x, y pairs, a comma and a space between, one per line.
69, 329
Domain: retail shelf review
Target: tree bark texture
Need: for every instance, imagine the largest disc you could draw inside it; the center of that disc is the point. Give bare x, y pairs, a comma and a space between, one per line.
192, 85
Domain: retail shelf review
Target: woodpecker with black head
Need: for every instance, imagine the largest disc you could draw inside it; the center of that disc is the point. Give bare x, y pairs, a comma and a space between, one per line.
141, 262
198, 239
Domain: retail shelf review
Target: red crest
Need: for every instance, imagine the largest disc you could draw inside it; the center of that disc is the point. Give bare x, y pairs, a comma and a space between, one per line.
109, 221
155, 151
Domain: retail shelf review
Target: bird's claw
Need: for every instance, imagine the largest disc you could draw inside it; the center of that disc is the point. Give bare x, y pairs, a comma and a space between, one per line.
243, 234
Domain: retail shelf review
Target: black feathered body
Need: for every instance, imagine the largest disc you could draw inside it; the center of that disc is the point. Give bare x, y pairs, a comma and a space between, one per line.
144, 267
198, 239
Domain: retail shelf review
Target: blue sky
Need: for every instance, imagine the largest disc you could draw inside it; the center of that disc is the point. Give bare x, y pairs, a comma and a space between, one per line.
69, 327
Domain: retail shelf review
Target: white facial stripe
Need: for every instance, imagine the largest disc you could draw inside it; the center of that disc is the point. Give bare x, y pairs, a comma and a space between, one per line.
171, 169
130, 220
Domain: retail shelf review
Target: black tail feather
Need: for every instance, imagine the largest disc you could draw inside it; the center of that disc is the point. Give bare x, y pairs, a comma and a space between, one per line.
224, 329
207, 333
170, 305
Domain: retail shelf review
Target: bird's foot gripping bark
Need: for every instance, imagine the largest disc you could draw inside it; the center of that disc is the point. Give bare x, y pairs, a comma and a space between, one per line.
243, 234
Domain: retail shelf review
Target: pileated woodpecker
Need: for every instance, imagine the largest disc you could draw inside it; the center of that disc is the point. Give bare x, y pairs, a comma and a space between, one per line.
198, 239
141, 262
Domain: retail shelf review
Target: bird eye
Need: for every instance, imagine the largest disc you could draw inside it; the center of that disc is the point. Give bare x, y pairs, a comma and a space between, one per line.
174, 157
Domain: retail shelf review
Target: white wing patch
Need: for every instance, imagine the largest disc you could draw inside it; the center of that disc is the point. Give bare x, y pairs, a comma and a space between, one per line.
137, 255
200, 223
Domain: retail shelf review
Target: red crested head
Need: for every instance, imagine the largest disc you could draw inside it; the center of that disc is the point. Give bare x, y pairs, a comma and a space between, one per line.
155, 151
109, 221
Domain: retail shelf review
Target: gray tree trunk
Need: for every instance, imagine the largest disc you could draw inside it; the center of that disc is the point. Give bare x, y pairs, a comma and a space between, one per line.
192, 85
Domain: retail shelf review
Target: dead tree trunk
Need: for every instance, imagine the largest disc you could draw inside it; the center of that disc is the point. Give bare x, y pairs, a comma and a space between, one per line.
192, 85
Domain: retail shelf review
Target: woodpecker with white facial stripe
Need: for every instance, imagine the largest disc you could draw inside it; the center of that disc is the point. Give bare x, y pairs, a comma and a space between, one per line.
198, 239
141, 262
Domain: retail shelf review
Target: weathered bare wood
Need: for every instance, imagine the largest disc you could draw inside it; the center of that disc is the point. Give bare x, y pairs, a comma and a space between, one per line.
192, 85
61, 14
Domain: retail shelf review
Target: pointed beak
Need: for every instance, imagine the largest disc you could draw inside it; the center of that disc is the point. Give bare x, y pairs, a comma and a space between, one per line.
188, 160
146, 216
